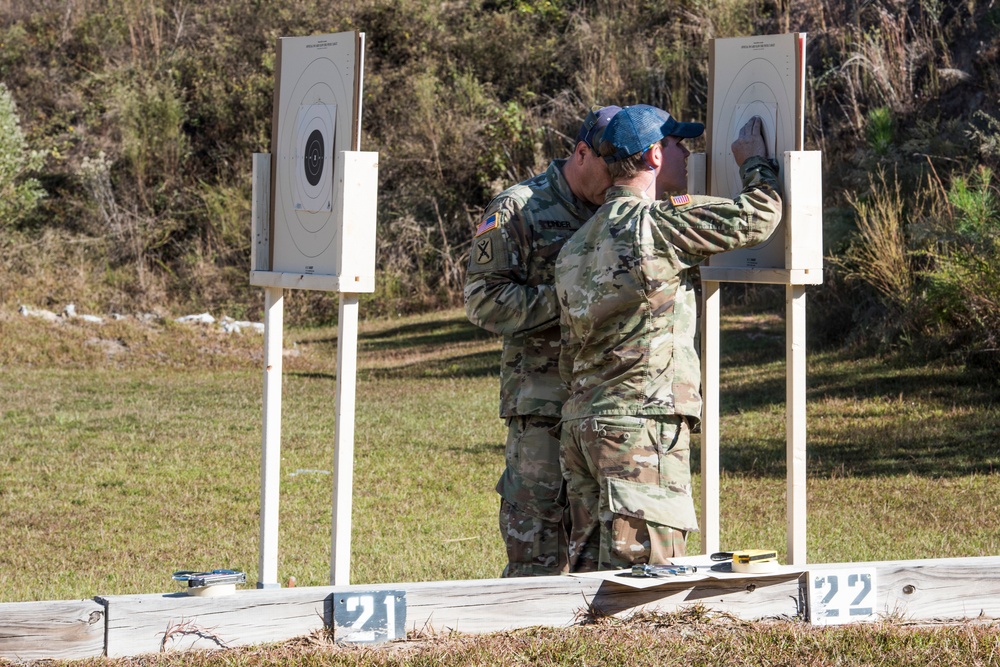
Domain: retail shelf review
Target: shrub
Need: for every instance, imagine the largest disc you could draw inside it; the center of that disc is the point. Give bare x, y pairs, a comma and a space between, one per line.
880, 130
879, 256
963, 283
976, 204
154, 145
19, 192
462, 100
925, 270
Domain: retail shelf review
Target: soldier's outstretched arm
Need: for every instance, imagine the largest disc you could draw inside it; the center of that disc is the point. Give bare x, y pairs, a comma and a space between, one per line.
694, 227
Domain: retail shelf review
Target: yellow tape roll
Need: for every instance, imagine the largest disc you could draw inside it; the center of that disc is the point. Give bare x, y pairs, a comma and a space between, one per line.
756, 567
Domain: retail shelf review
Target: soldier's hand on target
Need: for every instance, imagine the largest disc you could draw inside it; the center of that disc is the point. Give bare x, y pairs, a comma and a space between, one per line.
750, 143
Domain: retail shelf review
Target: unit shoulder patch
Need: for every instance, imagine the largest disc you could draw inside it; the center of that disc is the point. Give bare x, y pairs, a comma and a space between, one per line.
483, 251
488, 253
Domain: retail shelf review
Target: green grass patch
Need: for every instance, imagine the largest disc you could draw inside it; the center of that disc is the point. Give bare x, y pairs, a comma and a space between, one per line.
132, 449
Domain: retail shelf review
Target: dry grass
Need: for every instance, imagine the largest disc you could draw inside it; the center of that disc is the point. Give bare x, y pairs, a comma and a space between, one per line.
693, 637
881, 258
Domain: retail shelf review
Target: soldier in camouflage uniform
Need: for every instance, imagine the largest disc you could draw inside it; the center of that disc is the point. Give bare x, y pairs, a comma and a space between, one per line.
510, 291
628, 319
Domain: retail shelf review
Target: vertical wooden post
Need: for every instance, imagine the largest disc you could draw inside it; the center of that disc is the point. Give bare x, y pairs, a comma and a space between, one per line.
343, 450
795, 421
267, 568
710, 522
260, 213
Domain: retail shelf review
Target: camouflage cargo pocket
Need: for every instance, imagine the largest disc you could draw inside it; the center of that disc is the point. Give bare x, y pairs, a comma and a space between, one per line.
651, 503
625, 447
532, 480
675, 456
544, 501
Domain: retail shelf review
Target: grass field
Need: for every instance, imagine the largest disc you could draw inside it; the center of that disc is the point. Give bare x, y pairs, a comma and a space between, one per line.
120, 467
130, 450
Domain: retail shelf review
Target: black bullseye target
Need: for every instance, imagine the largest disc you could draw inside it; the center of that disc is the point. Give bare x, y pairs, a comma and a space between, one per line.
313, 163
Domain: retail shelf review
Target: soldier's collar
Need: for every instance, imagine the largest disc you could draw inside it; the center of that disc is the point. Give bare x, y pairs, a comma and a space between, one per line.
619, 191
579, 208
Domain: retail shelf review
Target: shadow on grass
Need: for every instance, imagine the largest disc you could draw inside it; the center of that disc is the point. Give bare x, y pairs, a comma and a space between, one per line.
313, 375
969, 447
435, 333
892, 412
899, 418
472, 365
489, 448
948, 386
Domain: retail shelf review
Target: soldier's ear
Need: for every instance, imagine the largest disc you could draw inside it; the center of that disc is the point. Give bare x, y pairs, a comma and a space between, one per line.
654, 156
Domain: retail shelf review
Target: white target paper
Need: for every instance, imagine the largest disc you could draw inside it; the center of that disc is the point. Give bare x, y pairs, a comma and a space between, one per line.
317, 109
754, 76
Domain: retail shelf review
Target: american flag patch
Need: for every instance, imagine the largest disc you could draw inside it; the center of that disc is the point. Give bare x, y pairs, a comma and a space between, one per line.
486, 225
680, 200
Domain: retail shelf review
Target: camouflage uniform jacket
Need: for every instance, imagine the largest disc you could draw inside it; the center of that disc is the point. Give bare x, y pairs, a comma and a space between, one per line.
510, 288
628, 308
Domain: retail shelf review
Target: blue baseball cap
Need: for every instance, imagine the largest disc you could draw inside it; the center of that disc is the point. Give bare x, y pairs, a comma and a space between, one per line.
594, 125
636, 128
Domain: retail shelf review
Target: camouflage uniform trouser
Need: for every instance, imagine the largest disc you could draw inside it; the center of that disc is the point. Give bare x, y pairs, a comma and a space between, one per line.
629, 490
533, 517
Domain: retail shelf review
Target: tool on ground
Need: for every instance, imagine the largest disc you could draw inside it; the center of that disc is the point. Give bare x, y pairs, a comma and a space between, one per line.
645, 570
749, 561
212, 578
745, 556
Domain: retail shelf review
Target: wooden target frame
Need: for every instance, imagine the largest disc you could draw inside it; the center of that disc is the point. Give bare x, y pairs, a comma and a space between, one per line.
315, 199
762, 76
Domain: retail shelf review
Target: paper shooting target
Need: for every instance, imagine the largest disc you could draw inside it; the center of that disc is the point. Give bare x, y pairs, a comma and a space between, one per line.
753, 76
316, 115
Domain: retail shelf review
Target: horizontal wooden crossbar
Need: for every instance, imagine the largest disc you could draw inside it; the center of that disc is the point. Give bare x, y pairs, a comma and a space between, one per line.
727, 274
127, 625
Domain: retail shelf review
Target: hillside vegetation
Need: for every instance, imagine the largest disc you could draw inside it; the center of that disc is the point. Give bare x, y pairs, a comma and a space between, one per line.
128, 130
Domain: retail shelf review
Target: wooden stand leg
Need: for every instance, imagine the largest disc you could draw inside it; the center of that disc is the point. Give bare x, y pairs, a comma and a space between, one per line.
343, 466
267, 567
710, 418
795, 421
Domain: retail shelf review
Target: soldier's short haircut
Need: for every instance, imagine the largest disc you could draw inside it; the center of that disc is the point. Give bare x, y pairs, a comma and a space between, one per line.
626, 167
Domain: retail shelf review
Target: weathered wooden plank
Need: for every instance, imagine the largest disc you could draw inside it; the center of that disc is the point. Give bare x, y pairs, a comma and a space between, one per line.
710, 432
66, 630
795, 423
140, 624
955, 588
270, 458
938, 588
148, 623
503, 604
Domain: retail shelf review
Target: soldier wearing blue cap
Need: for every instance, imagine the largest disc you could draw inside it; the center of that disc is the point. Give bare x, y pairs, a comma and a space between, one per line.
510, 291
628, 319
